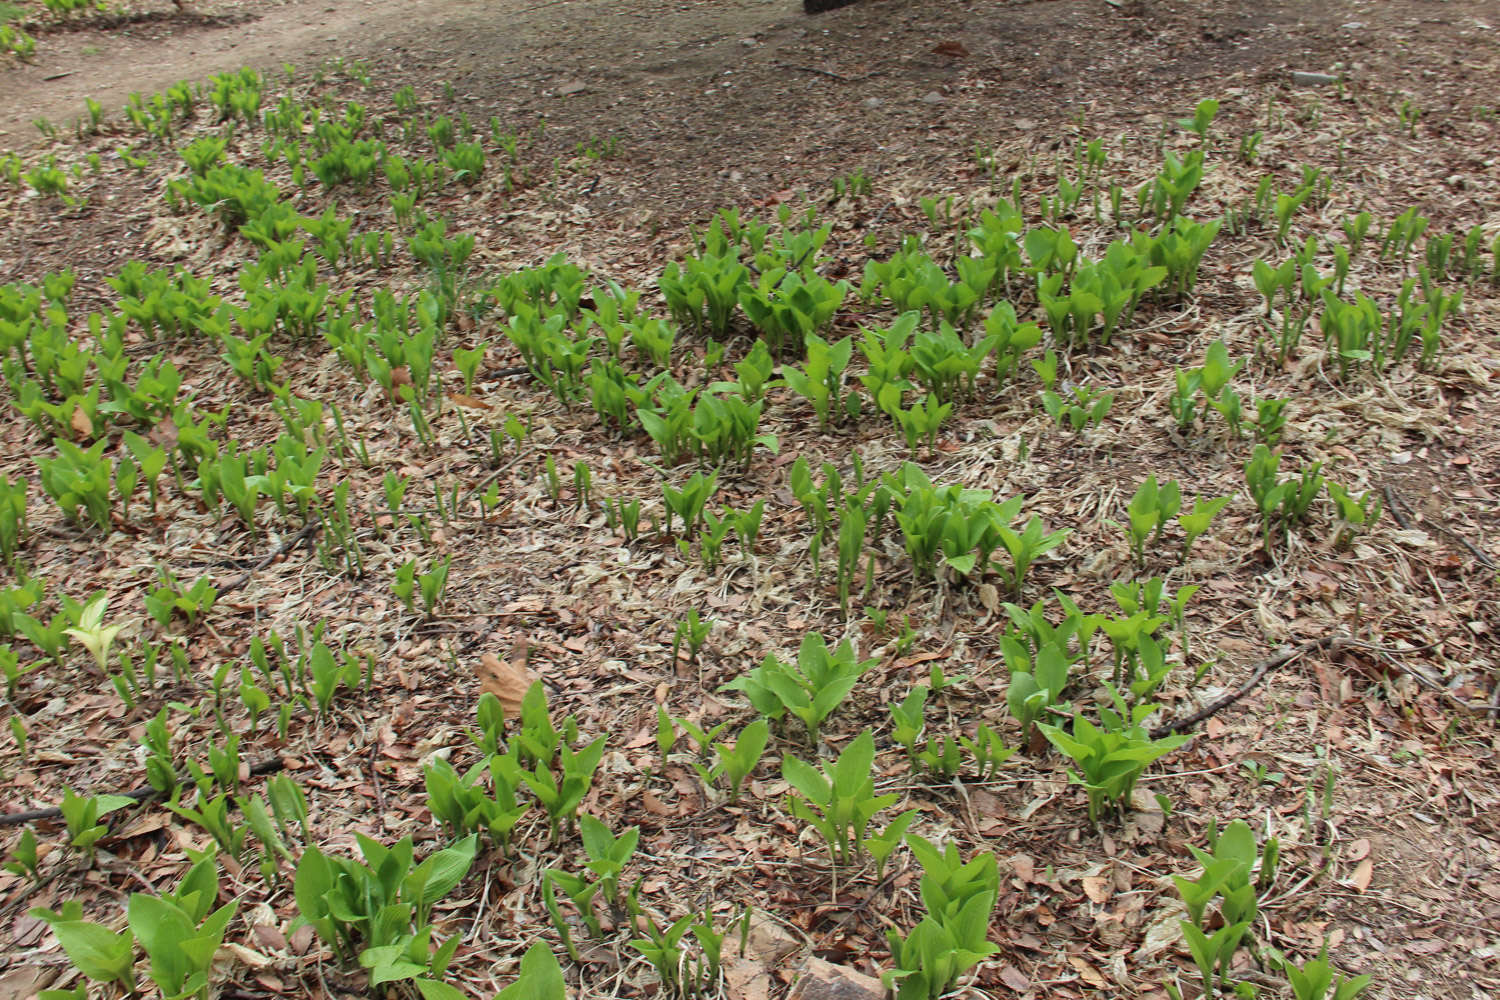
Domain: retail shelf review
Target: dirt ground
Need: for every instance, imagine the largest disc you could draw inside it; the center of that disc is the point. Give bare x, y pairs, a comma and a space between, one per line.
718, 102
708, 103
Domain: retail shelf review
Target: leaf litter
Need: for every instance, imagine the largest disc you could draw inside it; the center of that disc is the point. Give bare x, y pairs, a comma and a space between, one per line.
1399, 874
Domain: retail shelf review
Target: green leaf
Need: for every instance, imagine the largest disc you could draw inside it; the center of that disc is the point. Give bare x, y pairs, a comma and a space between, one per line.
541, 978
446, 869
806, 779
431, 989
98, 952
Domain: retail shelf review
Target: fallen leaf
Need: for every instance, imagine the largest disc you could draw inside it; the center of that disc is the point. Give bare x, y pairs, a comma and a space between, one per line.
1362, 874
653, 804
1097, 889
81, 423
245, 956
1087, 972
955, 50
745, 980
1015, 978
22, 981
164, 435
506, 681
989, 596
473, 403
1023, 866
1358, 850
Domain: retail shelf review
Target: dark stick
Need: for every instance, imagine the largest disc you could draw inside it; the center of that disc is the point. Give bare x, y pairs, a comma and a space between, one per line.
308, 530
1280, 659
141, 794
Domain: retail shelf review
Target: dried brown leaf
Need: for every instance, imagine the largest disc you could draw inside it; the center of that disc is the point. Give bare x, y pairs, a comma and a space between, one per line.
507, 681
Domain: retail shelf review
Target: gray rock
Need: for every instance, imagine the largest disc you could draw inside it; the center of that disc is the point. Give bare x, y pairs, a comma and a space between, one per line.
872, 102
1301, 79
820, 980
932, 97
570, 87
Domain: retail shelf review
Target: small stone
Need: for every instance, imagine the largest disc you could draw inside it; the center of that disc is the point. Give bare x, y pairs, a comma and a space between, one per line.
748, 43
932, 97
872, 102
820, 980
1352, 25
1301, 79
1024, 124
570, 87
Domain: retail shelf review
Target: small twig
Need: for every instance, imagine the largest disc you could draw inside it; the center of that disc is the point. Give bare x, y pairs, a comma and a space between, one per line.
314, 522
1394, 504
1401, 511
1280, 659
375, 781
141, 794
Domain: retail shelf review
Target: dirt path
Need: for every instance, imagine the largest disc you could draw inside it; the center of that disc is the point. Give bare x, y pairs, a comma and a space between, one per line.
161, 47
714, 102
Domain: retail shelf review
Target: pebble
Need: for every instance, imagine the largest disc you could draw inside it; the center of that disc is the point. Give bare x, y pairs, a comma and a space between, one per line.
932, 97
872, 102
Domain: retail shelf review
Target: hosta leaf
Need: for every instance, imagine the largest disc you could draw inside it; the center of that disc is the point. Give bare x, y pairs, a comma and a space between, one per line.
447, 868
806, 779
541, 978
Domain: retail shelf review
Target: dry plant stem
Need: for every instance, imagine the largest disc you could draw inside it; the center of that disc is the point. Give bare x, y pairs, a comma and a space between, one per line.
141, 794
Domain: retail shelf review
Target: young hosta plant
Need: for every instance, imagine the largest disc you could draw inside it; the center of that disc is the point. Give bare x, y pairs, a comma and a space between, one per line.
83, 813
1356, 514
461, 805
1024, 548
1286, 501
838, 800
179, 933
1038, 679
1112, 756
954, 935
682, 972
1196, 523
1088, 406
1228, 867
377, 910
1314, 980
172, 599
1150, 511
737, 761
92, 634
608, 856
810, 689
822, 383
